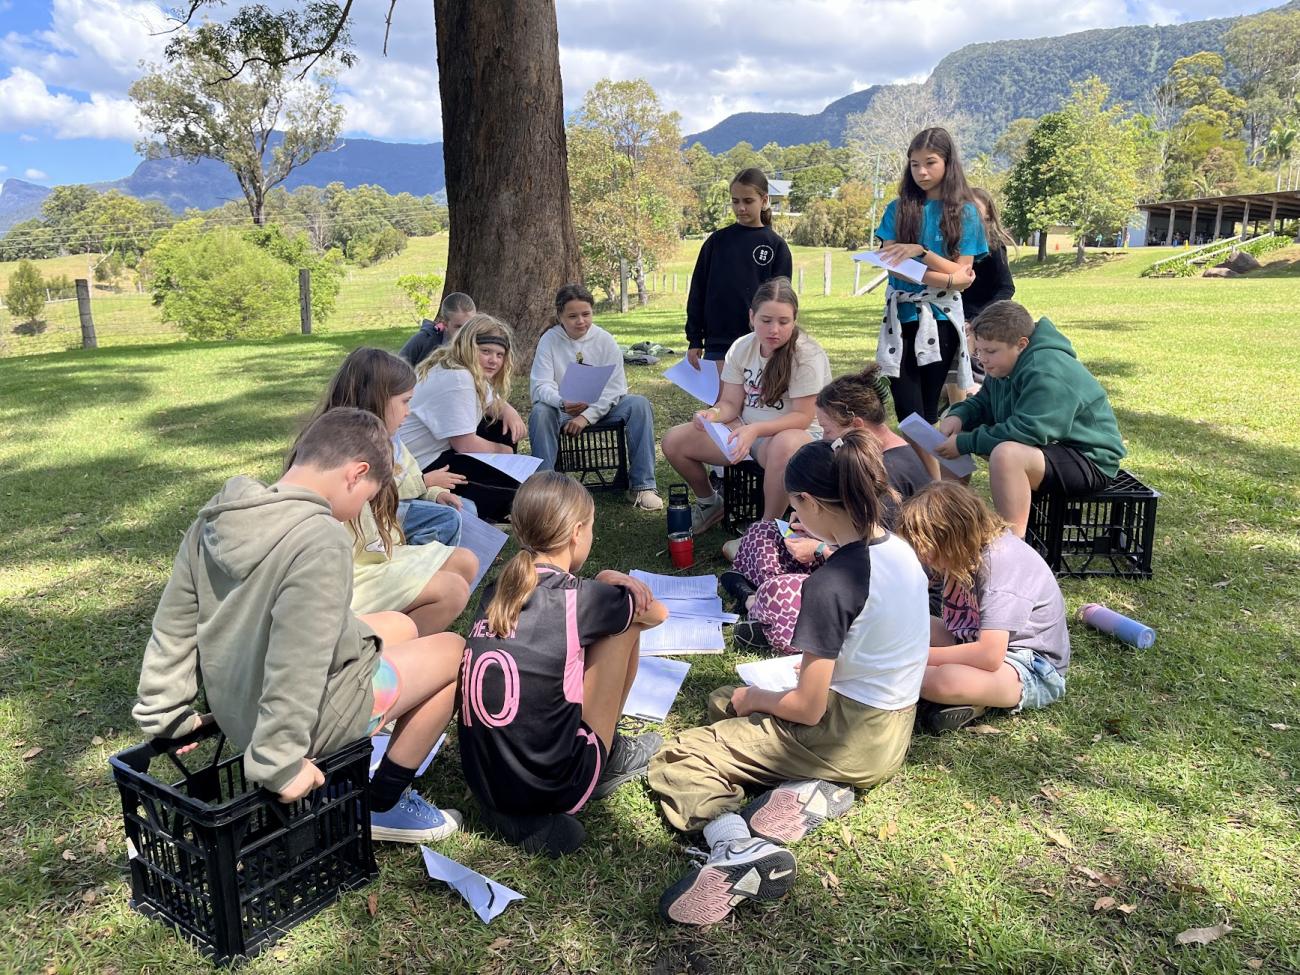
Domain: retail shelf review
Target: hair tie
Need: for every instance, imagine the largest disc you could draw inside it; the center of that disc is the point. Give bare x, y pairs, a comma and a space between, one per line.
836, 444
500, 340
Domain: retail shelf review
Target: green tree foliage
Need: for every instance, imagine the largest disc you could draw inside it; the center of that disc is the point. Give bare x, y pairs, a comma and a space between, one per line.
1203, 154
1080, 168
626, 177
423, 291
263, 124
1264, 51
845, 221
32, 239
708, 199
25, 298
221, 283
816, 182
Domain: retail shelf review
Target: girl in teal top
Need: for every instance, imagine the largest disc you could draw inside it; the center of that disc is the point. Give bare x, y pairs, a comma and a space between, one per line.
934, 222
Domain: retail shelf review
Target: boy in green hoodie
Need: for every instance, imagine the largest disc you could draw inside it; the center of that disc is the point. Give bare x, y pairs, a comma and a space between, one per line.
257, 608
1041, 418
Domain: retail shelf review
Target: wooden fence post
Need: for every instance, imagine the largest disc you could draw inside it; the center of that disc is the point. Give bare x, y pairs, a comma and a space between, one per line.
800, 280
674, 282
826, 275
304, 299
88, 340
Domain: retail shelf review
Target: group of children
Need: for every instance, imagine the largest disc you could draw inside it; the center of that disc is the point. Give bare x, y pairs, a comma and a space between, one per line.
315, 610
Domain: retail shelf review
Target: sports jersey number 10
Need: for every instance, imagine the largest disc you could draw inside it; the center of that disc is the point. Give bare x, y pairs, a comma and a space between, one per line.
472, 671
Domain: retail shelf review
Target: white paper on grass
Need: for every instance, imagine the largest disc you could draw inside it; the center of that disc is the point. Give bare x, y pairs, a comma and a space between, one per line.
583, 383
677, 587
908, 268
773, 674
379, 748
658, 680
702, 383
686, 635
487, 897
929, 439
483, 539
518, 466
700, 607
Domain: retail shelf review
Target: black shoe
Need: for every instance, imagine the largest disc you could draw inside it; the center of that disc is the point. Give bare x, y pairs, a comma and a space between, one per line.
628, 759
939, 719
738, 588
552, 836
752, 636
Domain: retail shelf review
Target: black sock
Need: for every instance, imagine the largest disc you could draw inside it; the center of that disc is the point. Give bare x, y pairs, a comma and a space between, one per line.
389, 782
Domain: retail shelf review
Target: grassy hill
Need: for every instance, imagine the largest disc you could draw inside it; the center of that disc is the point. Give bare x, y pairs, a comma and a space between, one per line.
1165, 779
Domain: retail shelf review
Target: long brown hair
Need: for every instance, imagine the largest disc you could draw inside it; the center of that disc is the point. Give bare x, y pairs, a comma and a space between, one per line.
954, 192
366, 380
856, 396
753, 177
462, 353
780, 367
997, 234
949, 525
545, 511
848, 473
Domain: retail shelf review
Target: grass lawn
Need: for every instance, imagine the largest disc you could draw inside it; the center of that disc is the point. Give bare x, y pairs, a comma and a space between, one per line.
1166, 779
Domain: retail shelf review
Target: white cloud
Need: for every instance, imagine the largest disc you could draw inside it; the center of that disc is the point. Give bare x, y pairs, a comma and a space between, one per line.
25, 102
27, 138
3, 168
34, 174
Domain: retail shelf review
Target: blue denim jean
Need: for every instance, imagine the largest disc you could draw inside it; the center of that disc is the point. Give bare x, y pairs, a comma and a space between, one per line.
427, 521
1040, 683
544, 424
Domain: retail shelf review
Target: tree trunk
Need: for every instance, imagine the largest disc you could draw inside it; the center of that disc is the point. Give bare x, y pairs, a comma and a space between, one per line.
1079, 255
512, 243
1042, 245
642, 297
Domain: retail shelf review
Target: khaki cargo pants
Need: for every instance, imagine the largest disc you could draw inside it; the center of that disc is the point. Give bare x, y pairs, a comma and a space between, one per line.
703, 772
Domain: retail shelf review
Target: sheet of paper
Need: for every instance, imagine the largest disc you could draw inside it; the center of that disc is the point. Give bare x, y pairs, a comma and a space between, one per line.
908, 268
702, 383
657, 683
487, 897
483, 539
685, 635
677, 587
518, 466
700, 607
720, 434
773, 674
928, 439
784, 528
583, 383
379, 748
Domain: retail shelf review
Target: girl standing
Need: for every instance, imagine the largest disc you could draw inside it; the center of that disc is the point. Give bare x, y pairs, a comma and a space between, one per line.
733, 262
847, 722
932, 221
461, 406
1002, 641
548, 666
769, 381
428, 582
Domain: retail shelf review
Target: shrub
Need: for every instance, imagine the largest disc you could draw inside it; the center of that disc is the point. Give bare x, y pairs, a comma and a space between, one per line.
25, 298
422, 289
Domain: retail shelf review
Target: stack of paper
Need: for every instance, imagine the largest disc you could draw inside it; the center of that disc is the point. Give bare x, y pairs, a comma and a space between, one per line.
908, 268
518, 466
695, 614
483, 539
658, 680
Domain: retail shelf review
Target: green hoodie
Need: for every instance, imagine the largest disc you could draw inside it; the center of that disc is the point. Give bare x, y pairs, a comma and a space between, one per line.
1050, 397
258, 604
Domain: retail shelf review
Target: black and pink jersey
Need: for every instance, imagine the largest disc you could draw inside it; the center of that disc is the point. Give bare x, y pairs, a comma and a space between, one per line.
523, 744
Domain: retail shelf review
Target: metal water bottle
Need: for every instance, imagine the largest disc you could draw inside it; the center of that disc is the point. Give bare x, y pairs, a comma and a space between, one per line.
679, 509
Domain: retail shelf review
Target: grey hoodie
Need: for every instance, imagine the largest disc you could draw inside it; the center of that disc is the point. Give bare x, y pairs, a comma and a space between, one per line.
258, 603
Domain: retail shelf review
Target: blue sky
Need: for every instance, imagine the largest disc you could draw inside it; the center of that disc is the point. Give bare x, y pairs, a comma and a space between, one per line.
65, 65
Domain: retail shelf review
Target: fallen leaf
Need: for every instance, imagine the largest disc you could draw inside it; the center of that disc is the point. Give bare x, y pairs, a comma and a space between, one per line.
846, 837
1222, 584
1109, 879
1255, 964
1059, 838
1127, 909
101, 848
32, 753
1103, 904
969, 806
833, 880
82, 713
499, 944
372, 905
89, 897
1202, 936
60, 839
96, 740
1096, 738
950, 863
1280, 727
1048, 793
983, 729
69, 856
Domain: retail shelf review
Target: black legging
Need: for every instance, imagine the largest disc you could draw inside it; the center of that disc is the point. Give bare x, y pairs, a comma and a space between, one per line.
917, 388
491, 490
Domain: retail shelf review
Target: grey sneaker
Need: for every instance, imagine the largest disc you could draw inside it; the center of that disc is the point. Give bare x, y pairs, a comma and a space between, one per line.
736, 871
628, 759
706, 514
792, 810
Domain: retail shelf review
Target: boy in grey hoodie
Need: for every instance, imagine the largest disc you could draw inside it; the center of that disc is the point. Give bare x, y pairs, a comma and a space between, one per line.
257, 609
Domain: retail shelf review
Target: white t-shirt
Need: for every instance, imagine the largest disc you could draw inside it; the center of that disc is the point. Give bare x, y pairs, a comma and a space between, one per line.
868, 609
444, 405
744, 367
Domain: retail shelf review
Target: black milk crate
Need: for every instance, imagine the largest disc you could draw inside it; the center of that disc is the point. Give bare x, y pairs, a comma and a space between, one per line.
1111, 533
597, 457
742, 493
227, 864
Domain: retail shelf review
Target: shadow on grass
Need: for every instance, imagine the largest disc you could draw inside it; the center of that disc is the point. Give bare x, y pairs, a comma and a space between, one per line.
1060, 265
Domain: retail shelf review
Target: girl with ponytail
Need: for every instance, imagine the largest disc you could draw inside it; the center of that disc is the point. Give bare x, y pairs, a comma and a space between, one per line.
843, 723
548, 666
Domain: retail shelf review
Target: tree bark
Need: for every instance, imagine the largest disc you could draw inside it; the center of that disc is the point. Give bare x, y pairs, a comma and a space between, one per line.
642, 296
1042, 245
512, 242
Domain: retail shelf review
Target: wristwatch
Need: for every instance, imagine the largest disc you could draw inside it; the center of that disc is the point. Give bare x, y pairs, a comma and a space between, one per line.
924, 250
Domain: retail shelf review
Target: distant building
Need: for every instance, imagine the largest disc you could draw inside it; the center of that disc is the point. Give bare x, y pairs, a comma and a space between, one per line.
778, 195
1210, 218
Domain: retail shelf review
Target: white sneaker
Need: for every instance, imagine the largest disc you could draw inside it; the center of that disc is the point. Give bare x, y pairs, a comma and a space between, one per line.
706, 514
791, 810
731, 549
646, 500
736, 871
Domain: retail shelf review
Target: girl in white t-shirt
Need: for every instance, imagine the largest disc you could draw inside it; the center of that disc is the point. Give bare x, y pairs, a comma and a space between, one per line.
843, 723
461, 406
766, 401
